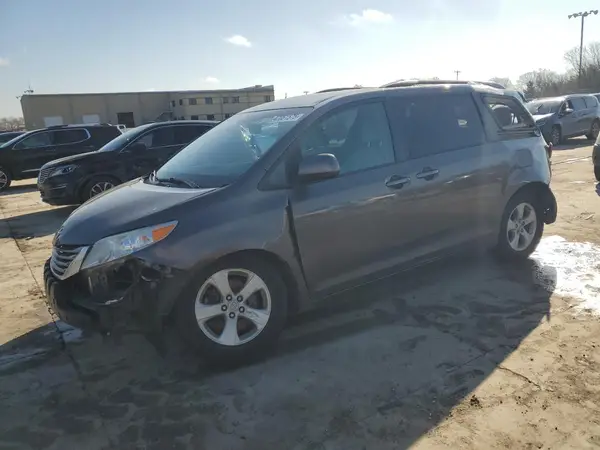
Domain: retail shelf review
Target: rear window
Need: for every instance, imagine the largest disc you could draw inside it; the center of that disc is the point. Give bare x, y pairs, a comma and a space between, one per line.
591, 101
508, 113
70, 136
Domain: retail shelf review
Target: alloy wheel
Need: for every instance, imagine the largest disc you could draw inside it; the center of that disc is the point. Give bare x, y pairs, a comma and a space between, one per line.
99, 188
521, 227
233, 306
3, 180
555, 136
595, 130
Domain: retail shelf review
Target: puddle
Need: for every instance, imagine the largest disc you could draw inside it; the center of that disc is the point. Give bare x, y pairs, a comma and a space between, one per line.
572, 269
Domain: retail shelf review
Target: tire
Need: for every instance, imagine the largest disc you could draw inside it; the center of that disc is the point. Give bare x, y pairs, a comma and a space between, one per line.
97, 185
208, 336
527, 241
556, 135
594, 131
5, 179
597, 172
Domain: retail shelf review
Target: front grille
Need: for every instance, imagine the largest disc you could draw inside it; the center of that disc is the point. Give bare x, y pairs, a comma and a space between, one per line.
66, 260
44, 174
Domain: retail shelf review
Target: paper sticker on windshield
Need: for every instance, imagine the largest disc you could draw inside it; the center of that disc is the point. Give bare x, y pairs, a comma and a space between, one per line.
286, 118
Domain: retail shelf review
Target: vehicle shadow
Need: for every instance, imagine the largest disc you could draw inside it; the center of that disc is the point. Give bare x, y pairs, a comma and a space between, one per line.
375, 367
19, 189
39, 223
573, 143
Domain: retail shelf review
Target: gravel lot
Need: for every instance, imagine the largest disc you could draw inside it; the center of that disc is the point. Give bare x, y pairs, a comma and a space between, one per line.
465, 353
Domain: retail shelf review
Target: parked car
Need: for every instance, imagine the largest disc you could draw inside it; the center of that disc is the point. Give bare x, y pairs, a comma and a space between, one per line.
137, 152
566, 116
23, 156
288, 202
6, 136
596, 158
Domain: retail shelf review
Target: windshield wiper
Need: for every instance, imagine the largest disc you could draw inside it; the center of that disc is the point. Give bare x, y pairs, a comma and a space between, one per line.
173, 180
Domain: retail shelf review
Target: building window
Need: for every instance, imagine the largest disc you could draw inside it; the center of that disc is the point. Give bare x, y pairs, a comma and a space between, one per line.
194, 117
193, 101
225, 99
180, 102
172, 103
208, 100
227, 115
235, 100
210, 117
268, 98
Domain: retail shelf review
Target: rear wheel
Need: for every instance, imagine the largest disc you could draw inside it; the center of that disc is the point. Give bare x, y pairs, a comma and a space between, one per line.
5, 179
97, 186
556, 135
521, 228
235, 312
597, 172
594, 131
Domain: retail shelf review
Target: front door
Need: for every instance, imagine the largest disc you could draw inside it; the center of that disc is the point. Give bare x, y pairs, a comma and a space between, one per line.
158, 144
352, 226
31, 153
570, 122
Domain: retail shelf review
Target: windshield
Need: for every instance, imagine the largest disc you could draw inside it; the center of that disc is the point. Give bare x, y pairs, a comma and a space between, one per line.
220, 156
120, 141
15, 139
543, 106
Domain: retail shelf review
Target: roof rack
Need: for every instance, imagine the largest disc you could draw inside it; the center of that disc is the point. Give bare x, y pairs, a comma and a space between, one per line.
415, 82
338, 89
94, 124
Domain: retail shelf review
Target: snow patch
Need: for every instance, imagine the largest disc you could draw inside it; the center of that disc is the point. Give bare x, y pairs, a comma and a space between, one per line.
571, 269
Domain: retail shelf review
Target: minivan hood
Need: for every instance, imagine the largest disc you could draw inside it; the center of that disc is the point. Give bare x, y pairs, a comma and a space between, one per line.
542, 117
127, 207
72, 159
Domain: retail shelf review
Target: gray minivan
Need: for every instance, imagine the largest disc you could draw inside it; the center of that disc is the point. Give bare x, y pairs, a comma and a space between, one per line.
288, 202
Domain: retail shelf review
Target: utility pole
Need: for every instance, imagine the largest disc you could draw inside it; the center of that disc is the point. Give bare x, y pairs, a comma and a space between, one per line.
583, 15
457, 72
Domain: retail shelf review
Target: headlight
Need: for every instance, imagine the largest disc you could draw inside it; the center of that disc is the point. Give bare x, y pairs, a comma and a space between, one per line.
120, 245
63, 170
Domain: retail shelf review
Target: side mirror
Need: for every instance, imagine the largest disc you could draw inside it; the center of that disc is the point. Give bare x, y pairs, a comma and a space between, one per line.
567, 111
136, 147
318, 167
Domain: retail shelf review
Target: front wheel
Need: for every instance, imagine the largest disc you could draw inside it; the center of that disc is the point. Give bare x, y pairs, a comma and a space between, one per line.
235, 312
5, 179
555, 136
594, 131
97, 186
521, 228
597, 172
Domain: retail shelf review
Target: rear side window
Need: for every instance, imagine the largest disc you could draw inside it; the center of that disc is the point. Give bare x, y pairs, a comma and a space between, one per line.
159, 137
577, 103
71, 136
508, 113
184, 134
435, 124
34, 141
591, 101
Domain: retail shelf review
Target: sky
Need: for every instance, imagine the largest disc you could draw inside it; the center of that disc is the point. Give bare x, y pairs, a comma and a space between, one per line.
64, 46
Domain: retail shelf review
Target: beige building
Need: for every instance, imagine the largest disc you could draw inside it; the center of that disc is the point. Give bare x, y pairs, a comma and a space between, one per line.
136, 108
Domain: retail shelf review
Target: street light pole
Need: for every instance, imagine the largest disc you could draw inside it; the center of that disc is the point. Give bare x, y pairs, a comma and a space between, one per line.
583, 15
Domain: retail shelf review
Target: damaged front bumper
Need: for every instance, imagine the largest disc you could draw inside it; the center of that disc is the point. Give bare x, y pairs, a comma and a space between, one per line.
124, 295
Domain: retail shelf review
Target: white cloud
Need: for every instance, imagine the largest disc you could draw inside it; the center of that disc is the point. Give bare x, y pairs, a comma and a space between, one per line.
4, 62
367, 16
236, 39
211, 80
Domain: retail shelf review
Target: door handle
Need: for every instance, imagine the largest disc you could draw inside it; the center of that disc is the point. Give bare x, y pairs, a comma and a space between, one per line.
397, 182
427, 173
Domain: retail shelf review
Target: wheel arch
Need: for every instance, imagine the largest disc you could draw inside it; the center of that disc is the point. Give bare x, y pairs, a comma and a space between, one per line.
542, 193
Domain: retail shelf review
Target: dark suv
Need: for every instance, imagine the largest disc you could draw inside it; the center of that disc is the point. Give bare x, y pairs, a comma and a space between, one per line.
6, 136
137, 152
23, 156
288, 202
567, 116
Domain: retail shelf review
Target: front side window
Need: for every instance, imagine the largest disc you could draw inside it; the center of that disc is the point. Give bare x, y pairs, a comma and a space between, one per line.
159, 137
64, 137
358, 136
42, 139
591, 101
228, 150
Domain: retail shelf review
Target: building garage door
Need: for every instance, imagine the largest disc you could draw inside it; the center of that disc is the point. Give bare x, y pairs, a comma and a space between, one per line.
91, 118
51, 121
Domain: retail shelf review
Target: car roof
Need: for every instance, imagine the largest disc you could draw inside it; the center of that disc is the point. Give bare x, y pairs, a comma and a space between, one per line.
319, 99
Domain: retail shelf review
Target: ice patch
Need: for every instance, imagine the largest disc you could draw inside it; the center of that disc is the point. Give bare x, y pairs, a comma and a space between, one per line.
577, 266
